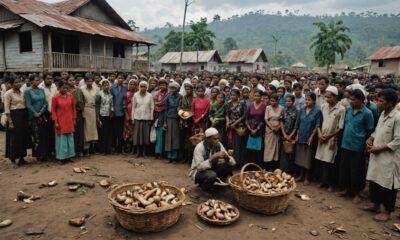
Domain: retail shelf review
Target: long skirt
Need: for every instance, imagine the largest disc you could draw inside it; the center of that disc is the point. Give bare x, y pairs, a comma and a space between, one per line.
105, 135
159, 140
172, 139
40, 140
271, 150
141, 133
17, 139
50, 132
239, 148
65, 147
89, 125
78, 134
128, 131
303, 155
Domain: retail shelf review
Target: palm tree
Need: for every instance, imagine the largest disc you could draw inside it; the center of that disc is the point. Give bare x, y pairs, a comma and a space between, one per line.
330, 41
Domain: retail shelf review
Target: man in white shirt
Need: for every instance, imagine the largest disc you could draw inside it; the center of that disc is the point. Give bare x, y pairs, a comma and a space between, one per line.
211, 163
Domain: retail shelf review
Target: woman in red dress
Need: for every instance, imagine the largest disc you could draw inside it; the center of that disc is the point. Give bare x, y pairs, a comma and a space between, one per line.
63, 114
200, 107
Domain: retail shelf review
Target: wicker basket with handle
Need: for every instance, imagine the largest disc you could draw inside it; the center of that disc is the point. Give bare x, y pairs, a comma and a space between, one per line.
258, 202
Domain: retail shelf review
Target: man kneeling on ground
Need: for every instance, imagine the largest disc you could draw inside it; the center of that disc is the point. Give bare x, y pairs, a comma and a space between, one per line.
211, 163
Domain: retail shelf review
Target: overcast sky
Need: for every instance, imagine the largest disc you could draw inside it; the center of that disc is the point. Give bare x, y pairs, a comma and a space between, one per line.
155, 13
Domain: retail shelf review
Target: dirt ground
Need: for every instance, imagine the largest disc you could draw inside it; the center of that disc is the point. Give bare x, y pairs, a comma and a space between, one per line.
57, 205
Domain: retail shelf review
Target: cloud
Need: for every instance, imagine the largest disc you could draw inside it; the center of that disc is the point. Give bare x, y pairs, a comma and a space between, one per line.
155, 13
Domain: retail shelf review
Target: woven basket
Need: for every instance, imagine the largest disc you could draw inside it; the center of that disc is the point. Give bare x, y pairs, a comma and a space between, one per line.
217, 221
144, 220
196, 139
288, 146
257, 202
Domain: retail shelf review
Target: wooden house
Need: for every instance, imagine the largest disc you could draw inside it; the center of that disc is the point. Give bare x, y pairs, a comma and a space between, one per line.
191, 61
249, 60
385, 61
72, 35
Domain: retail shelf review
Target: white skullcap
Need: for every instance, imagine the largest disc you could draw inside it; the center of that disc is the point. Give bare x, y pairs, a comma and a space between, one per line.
143, 83
358, 86
211, 132
275, 83
224, 81
333, 90
174, 84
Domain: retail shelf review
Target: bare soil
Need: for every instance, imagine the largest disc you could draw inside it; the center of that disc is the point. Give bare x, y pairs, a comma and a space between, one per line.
57, 205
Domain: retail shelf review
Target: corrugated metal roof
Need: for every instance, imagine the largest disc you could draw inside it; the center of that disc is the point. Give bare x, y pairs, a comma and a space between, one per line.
69, 6
245, 56
46, 15
386, 53
190, 57
11, 24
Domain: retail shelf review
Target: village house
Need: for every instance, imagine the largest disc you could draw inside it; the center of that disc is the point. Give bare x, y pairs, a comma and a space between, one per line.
249, 60
72, 35
191, 61
385, 61
337, 68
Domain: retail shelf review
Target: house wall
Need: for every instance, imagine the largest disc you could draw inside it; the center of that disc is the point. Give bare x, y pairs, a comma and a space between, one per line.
26, 61
245, 67
93, 11
390, 66
210, 66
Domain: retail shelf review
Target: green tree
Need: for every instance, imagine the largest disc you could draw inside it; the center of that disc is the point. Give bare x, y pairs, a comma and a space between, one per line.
133, 26
200, 38
172, 42
216, 18
331, 40
230, 44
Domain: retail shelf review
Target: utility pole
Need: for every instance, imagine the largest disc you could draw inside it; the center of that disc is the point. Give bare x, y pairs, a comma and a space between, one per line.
187, 3
276, 39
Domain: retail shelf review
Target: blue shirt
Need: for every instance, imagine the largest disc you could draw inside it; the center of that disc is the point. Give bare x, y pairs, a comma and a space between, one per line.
171, 105
118, 99
306, 123
282, 100
356, 128
299, 102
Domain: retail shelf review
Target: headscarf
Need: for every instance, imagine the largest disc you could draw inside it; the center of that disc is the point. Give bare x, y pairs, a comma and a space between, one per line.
104, 81
145, 83
174, 85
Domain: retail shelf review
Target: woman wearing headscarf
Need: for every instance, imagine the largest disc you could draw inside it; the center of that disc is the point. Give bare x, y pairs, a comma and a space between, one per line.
159, 116
17, 122
104, 113
171, 123
89, 115
200, 107
128, 125
35, 101
142, 115
64, 115
186, 123
235, 120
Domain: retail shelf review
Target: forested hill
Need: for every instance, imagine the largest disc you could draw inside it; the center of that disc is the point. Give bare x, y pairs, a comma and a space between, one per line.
369, 31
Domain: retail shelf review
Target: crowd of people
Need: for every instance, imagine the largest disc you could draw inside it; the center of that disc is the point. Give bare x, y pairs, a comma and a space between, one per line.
338, 130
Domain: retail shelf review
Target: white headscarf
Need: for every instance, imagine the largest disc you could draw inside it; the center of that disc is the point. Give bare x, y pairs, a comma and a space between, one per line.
144, 83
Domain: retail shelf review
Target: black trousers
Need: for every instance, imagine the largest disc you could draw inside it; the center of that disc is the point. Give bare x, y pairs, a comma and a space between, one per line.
381, 195
327, 174
206, 178
118, 128
51, 133
352, 171
105, 135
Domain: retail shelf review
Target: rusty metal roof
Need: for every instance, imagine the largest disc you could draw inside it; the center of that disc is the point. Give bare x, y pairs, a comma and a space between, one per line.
386, 53
10, 24
245, 56
69, 6
47, 15
190, 57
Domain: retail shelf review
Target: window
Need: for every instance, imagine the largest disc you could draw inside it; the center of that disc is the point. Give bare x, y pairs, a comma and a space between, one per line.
238, 69
25, 42
202, 67
381, 63
258, 67
119, 50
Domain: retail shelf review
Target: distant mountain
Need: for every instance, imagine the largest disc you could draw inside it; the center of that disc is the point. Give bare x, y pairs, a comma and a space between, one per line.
369, 31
